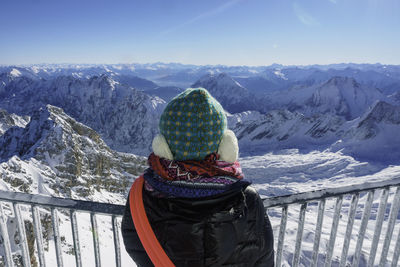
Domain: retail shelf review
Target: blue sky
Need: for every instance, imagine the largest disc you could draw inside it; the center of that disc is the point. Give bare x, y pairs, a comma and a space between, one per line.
235, 32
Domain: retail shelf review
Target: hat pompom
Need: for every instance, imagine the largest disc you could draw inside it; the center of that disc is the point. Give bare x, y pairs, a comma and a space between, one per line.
161, 148
228, 147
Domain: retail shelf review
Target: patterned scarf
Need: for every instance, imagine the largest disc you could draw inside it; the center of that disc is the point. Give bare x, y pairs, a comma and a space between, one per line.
192, 179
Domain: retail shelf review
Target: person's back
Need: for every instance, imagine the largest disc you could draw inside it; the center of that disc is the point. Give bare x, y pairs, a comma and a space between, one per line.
200, 208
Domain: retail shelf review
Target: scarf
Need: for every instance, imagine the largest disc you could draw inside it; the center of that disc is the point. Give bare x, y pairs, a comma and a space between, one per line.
192, 179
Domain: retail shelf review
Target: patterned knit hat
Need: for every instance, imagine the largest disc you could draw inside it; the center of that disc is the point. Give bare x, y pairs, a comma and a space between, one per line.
193, 124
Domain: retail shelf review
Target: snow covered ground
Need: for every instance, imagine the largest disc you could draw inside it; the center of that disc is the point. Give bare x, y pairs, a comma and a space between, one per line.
273, 174
289, 171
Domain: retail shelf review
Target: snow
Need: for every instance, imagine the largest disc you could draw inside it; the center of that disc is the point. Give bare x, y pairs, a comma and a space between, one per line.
290, 171
330, 124
15, 73
273, 174
279, 74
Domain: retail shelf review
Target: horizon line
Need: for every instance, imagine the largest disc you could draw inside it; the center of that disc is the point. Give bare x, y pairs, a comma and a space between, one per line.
196, 65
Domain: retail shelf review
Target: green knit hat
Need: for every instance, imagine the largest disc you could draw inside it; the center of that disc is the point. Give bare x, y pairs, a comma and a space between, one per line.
193, 124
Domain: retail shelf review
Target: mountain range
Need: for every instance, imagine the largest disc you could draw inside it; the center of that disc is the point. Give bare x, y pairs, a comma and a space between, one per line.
269, 107
56, 155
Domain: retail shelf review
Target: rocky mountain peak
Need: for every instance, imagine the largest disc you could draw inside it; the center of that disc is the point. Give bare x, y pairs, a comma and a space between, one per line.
218, 82
70, 158
8, 120
382, 112
126, 118
342, 81
233, 96
343, 96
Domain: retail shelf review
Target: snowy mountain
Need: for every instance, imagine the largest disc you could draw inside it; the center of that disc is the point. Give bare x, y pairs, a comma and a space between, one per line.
242, 117
134, 81
165, 92
395, 98
260, 85
321, 126
10, 120
385, 77
375, 136
58, 156
232, 96
342, 96
125, 117
305, 106
281, 129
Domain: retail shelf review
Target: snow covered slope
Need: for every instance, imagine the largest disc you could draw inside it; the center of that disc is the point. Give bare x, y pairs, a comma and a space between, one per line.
58, 156
165, 92
232, 96
10, 120
342, 96
290, 171
281, 129
375, 136
395, 98
339, 96
126, 118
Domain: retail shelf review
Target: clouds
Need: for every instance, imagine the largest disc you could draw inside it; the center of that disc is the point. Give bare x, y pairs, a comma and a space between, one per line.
304, 16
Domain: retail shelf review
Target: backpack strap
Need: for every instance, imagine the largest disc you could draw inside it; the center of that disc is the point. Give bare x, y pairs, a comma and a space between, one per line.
146, 235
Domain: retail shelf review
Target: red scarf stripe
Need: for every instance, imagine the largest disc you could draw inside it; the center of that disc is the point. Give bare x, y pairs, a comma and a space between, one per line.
191, 169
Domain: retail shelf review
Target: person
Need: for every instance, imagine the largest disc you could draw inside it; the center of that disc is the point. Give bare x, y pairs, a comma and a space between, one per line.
201, 209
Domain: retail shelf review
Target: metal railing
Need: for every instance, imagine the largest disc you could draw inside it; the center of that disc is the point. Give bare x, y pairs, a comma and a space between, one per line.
14, 200
354, 191
56, 205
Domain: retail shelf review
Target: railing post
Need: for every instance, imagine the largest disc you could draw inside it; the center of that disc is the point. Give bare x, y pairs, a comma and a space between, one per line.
96, 245
22, 235
37, 226
349, 229
299, 237
392, 219
6, 240
116, 241
378, 226
396, 252
363, 227
317, 238
57, 237
75, 237
282, 230
332, 238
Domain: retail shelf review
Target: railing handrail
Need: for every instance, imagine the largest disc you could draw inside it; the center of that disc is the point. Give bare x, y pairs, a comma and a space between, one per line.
328, 192
115, 209
62, 203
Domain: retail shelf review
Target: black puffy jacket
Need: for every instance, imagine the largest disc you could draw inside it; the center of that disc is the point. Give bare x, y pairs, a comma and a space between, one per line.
231, 229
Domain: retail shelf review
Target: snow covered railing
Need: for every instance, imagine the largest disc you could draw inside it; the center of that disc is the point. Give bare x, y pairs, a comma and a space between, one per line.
11, 202
338, 193
15, 200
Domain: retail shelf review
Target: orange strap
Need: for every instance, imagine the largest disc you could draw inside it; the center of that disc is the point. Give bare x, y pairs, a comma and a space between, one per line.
146, 235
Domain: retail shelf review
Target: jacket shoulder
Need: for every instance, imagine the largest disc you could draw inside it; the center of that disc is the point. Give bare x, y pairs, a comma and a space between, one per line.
252, 196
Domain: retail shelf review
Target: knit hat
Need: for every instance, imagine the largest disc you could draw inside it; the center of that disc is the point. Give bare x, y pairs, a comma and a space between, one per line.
192, 126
